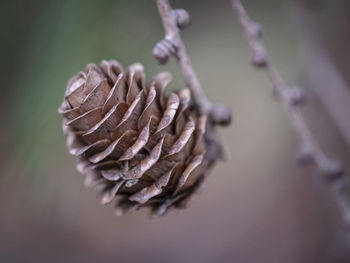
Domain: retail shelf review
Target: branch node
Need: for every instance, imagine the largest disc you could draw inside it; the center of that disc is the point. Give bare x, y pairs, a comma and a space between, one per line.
182, 18
259, 57
332, 170
305, 154
254, 29
295, 95
220, 115
164, 49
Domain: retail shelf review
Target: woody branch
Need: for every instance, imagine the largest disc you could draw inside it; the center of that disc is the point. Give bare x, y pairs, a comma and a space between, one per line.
292, 98
174, 20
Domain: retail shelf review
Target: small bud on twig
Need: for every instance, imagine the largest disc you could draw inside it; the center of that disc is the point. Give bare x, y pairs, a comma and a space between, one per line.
220, 115
305, 154
332, 169
255, 29
163, 50
295, 96
259, 58
182, 17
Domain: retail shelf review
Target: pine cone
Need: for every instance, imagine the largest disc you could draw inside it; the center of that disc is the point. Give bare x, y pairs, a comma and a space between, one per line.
132, 141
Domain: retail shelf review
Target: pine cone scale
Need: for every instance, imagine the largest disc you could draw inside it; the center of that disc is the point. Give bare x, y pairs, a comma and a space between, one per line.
138, 144
96, 98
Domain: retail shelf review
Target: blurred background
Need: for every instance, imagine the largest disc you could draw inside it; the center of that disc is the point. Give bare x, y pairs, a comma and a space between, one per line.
257, 206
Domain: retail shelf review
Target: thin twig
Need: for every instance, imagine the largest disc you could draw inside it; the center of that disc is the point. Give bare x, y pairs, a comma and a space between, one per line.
173, 45
324, 77
291, 98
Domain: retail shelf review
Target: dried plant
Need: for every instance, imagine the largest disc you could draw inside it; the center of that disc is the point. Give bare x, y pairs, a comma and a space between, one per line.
135, 143
147, 149
292, 99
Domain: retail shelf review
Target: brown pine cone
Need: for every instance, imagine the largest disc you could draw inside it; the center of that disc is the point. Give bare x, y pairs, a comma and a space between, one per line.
132, 141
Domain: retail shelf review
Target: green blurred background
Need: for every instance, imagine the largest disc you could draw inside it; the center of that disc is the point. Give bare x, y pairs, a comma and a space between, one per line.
257, 206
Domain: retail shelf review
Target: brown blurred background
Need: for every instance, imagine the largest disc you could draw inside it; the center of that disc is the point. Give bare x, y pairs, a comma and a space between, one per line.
257, 206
